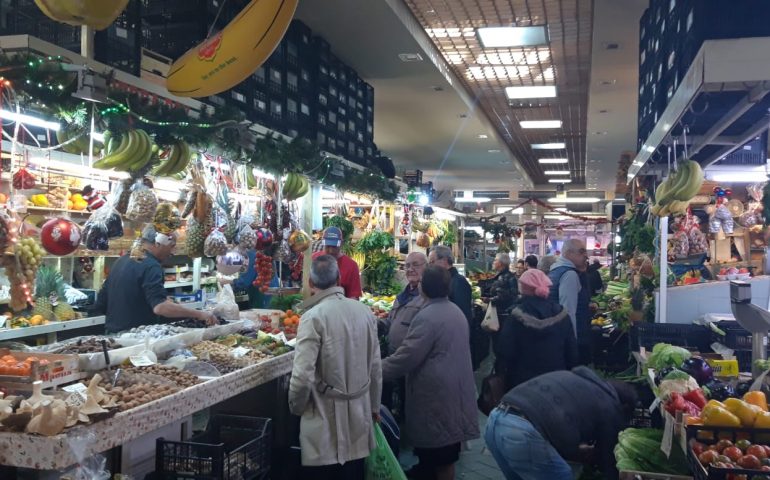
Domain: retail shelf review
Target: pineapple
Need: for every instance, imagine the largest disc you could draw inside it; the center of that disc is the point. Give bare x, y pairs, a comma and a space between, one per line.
49, 296
196, 236
45, 285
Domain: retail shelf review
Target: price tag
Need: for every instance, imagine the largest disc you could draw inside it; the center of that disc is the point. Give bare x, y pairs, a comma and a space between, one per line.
140, 361
240, 351
668, 436
76, 388
75, 400
654, 405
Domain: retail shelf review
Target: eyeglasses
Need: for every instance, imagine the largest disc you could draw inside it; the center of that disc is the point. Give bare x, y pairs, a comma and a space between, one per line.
407, 266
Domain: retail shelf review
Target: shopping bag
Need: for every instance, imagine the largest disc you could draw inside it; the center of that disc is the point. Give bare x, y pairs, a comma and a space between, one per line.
381, 464
492, 391
491, 323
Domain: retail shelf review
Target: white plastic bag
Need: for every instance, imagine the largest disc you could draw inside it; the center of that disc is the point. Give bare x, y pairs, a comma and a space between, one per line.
225, 304
490, 323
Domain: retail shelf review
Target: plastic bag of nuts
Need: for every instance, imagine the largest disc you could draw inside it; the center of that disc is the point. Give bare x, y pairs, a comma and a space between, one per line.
215, 244
141, 204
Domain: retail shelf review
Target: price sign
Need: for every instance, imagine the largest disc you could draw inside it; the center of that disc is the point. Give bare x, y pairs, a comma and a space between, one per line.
240, 351
76, 388
668, 436
140, 361
75, 400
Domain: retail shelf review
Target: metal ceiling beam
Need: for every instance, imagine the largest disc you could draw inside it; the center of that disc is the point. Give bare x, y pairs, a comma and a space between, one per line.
750, 134
751, 98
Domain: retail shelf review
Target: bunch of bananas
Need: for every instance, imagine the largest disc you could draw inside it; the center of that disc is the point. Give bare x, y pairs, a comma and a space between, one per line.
673, 195
251, 180
177, 159
98, 14
360, 260
296, 186
132, 152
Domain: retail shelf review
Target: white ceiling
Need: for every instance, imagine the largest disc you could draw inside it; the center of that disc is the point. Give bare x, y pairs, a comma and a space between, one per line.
414, 124
420, 127
612, 132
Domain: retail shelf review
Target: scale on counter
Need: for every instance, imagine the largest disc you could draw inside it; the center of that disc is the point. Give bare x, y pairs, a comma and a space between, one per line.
751, 317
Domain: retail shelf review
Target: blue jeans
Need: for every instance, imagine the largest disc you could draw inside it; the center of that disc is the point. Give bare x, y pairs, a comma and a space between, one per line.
521, 452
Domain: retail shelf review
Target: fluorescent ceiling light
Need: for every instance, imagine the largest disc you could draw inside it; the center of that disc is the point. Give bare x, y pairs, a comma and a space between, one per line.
540, 123
483, 136
508, 209
548, 146
734, 176
29, 120
574, 200
506, 37
539, 91
473, 200
553, 160
650, 149
559, 180
556, 172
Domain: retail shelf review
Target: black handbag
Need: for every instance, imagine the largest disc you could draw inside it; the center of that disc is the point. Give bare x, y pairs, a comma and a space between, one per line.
492, 391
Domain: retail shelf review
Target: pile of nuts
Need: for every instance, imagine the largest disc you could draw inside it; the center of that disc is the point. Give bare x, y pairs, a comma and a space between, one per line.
130, 395
86, 345
180, 377
220, 356
154, 331
141, 205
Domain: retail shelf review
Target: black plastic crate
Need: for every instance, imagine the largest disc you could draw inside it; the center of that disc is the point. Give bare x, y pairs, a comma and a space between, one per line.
233, 447
692, 337
736, 337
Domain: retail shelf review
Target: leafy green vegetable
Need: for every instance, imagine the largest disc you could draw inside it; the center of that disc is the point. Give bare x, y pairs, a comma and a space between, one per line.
665, 355
375, 241
285, 302
676, 374
638, 449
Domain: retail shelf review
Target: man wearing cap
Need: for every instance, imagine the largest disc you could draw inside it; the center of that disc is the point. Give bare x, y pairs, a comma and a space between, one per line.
133, 293
350, 277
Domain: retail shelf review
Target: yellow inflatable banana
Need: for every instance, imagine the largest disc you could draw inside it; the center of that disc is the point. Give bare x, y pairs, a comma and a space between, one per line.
98, 14
229, 57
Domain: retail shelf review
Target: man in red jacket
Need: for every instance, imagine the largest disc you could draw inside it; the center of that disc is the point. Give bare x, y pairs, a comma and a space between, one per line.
350, 277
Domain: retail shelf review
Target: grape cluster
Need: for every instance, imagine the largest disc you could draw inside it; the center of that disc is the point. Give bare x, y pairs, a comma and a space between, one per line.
30, 254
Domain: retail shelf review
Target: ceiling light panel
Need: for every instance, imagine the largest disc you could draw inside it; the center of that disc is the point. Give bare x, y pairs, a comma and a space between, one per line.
559, 180
549, 146
508, 37
538, 91
557, 172
551, 161
563, 62
540, 123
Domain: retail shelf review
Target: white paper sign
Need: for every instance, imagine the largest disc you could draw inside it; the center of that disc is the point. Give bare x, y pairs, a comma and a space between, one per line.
240, 351
140, 361
75, 388
654, 405
75, 400
668, 436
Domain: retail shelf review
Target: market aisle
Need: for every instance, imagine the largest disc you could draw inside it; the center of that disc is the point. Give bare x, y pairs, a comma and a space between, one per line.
476, 463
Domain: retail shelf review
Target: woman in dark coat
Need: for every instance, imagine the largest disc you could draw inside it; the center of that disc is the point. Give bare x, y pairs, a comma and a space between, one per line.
539, 337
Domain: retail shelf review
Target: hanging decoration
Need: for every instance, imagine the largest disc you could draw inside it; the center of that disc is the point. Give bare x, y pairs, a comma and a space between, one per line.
226, 59
720, 217
98, 14
60, 236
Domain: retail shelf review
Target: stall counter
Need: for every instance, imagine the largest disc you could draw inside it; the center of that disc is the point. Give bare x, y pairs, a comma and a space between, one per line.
54, 453
688, 303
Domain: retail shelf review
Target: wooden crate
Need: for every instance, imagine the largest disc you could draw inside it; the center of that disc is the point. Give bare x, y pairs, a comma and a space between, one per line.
61, 369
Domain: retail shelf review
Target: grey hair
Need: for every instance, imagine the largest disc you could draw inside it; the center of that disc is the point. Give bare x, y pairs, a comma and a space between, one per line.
545, 263
572, 245
503, 258
324, 272
442, 251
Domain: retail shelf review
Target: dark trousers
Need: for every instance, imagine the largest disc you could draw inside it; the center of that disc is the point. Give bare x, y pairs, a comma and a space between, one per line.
354, 470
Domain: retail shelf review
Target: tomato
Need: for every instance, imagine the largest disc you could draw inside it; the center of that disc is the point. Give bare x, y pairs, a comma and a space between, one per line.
733, 453
708, 457
767, 450
749, 462
758, 451
765, 468
722, 444
743, 444
713, 448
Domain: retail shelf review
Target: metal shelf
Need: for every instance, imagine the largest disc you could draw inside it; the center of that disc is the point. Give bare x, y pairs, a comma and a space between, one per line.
52, 327
722, 99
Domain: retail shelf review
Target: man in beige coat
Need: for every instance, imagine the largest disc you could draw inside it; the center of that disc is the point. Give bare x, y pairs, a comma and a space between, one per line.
336, 381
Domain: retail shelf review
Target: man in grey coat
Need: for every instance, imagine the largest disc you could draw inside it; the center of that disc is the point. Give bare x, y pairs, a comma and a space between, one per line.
440, 390
336, 379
